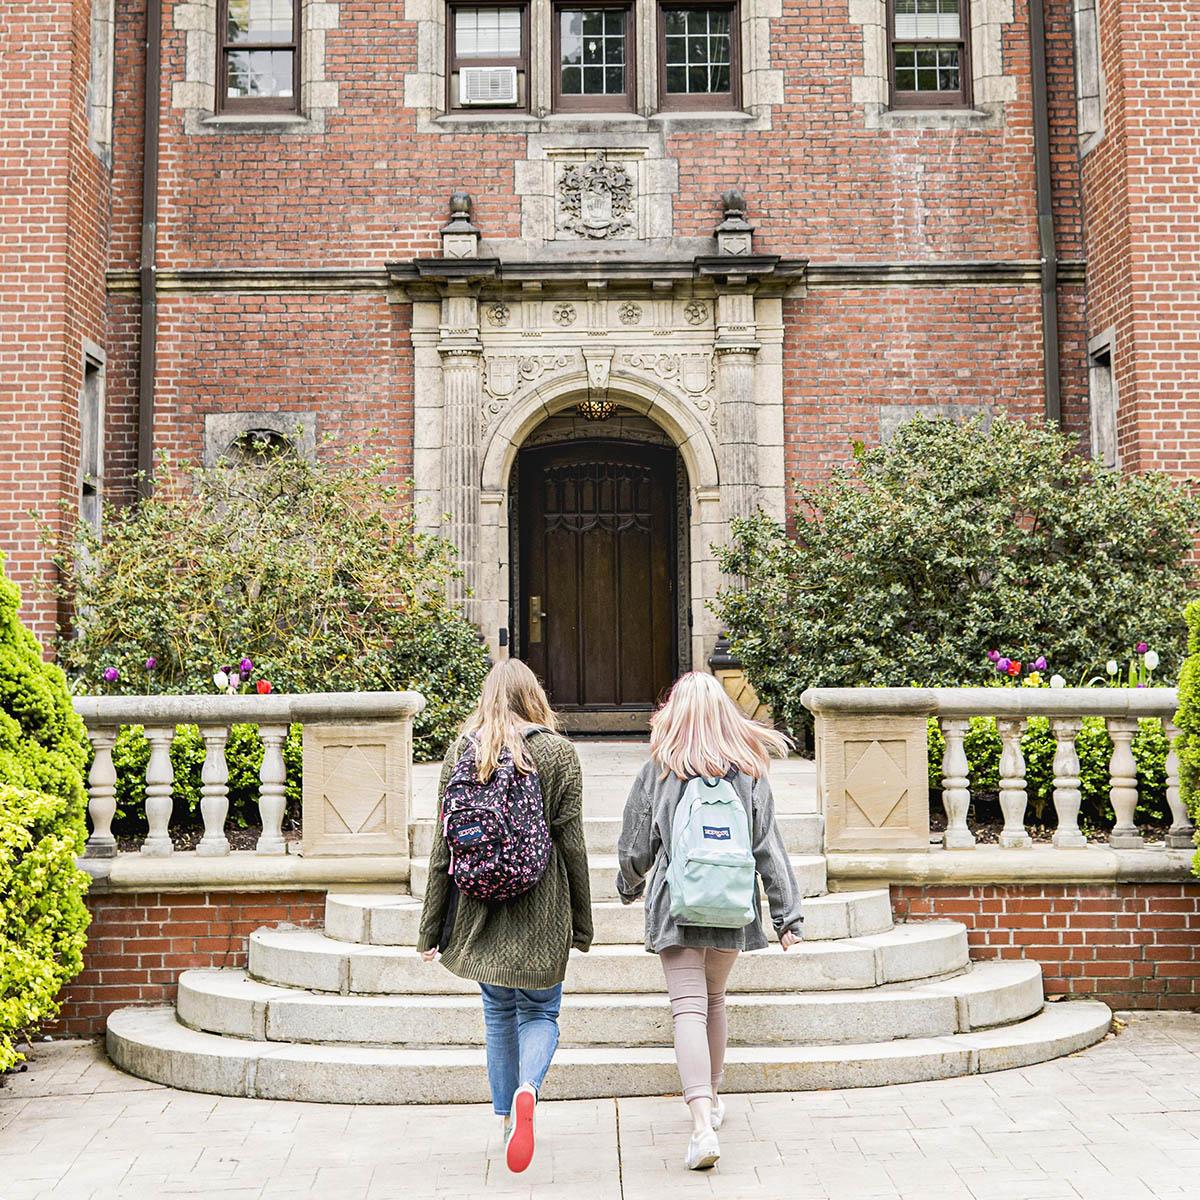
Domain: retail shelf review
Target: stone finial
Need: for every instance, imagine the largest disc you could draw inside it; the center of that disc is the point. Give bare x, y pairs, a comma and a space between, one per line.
460, 237
735, 235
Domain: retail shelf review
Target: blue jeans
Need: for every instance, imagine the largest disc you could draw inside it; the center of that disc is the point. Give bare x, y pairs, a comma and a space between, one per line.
522, 1035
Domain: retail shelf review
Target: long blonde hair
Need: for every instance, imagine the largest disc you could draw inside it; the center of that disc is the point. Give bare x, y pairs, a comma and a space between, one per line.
700, 731
511, 702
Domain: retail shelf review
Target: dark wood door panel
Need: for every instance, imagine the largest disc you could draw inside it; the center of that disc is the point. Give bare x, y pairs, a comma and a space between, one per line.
597, 557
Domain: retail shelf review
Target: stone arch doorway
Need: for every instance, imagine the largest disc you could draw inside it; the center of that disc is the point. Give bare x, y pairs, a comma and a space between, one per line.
600, 566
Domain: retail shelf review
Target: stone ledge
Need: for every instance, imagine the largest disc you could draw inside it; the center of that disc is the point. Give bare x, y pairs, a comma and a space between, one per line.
849, 870
243, 871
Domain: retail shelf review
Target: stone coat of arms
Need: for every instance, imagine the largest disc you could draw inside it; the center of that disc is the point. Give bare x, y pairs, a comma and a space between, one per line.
596, 199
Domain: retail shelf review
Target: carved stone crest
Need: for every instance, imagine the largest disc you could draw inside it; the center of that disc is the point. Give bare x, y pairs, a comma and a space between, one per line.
595, 199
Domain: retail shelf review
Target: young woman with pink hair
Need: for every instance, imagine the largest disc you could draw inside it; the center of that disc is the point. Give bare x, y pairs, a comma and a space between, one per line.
699, 733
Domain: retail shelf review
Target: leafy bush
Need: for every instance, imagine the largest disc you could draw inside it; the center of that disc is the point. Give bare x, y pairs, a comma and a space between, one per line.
1188, 719
42, 749
313, 570
950, 539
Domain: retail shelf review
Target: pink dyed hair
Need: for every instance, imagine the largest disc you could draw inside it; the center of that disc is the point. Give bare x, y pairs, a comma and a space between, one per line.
699, 730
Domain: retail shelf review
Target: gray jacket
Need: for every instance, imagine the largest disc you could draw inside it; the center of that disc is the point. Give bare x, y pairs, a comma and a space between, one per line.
643, 853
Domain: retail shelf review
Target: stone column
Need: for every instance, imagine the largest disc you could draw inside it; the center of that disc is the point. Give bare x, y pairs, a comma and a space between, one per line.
461, 353
736, 349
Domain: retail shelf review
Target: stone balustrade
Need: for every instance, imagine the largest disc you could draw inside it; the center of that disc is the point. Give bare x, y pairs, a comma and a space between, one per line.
357, 769
872, 763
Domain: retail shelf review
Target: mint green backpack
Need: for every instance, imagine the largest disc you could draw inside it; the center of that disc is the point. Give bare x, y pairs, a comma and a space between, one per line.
711, 873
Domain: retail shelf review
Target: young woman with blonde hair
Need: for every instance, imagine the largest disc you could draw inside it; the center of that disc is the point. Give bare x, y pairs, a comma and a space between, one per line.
508, 894
700, 734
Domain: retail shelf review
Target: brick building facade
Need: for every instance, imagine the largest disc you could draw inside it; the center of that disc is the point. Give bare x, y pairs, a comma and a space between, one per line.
755, 230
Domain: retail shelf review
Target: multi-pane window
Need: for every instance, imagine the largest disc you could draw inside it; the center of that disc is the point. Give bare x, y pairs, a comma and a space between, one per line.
259, 58
594, 64
489, 56
698, 60
930, 68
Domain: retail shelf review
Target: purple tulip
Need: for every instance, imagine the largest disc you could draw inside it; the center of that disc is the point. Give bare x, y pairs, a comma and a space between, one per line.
994, 656
1039, 663
151, 663
1141, 685
111, 674
1003, 664
1141, 647
245, 668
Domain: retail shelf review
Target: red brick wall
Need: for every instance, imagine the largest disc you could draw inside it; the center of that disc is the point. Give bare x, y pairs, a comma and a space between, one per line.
53, 214
138, 945
1140, 187
1134, 945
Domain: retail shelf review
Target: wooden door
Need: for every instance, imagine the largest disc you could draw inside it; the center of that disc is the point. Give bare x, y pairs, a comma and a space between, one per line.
597, 572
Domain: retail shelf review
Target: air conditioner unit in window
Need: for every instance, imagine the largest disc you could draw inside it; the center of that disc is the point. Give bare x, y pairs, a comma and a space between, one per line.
487, 86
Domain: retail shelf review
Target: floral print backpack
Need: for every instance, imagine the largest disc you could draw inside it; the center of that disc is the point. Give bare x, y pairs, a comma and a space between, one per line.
496, 831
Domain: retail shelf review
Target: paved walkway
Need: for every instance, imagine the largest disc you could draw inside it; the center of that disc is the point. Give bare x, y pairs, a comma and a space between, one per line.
1118, 1122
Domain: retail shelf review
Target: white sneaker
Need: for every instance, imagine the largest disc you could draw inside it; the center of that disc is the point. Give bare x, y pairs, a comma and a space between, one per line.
718, 1114
703, 1151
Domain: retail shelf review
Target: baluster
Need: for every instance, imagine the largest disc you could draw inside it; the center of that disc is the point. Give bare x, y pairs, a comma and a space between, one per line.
1066, 783
1013, 796
270, 795
1182, 834
214, 803
159, 777
1122, 785
956, 792
102, 799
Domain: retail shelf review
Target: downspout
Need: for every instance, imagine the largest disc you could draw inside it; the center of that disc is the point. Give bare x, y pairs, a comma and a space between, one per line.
147, 281
1045, 210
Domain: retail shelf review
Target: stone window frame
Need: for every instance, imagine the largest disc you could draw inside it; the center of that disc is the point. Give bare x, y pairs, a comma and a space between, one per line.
990, 88
196, 93
92, 407
1089, 74
100, 80
425, 89
1102, 386
222, 431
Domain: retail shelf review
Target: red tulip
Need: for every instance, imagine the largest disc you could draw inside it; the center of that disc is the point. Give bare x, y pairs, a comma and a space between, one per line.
1014, 667
262, 687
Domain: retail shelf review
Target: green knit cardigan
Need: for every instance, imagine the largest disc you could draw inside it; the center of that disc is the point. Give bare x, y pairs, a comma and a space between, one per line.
525, 942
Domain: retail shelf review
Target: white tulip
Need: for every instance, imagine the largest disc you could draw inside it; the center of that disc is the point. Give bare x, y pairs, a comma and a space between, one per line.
1112, 667
221, 681
1150, 658
1057, 681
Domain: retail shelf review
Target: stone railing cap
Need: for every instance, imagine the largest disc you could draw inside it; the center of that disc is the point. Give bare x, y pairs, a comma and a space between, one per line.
276, 708
995, 701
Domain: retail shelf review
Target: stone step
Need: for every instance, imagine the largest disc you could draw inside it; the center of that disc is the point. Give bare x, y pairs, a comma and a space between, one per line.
802, 834
989, 994
306, 958
809, 868
392, 919
152, 1044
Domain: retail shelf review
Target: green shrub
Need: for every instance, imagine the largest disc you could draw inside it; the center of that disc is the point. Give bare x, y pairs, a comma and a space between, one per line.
1094, 748
314, 571
947, 542
1188, 720
43, 920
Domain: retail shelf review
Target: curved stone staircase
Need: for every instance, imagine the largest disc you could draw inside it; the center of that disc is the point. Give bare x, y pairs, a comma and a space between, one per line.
352, 1015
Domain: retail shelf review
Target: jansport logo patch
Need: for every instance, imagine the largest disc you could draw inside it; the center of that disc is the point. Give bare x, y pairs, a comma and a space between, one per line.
717, 833
465, 835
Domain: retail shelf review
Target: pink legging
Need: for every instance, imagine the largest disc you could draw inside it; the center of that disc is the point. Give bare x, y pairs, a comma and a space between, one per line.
696, 984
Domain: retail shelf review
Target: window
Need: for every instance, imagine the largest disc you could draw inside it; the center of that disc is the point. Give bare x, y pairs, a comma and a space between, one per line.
593, 64
1089, 88
929, 53
489, 57
1103, 395
91, 442
259, 60
698, 56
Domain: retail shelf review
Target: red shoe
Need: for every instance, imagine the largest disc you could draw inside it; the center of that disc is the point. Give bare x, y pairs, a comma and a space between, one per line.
518, 1154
